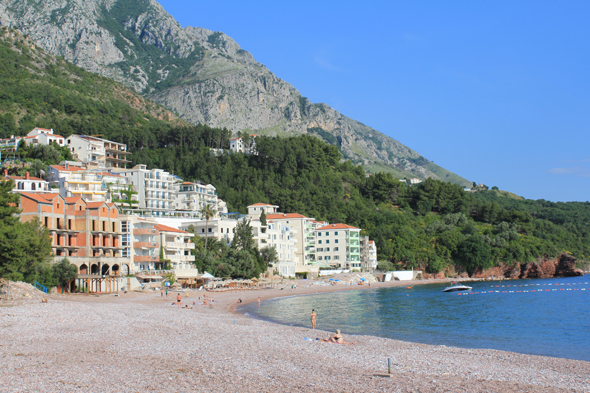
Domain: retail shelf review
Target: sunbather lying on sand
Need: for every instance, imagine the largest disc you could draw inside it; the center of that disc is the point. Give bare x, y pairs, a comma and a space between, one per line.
336, 338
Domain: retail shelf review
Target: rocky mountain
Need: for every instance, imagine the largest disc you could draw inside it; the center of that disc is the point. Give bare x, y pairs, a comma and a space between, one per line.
203, 76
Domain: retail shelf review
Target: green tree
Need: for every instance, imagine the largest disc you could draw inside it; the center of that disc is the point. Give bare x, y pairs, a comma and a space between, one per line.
64, 272
474, 253
263, 220
269, 255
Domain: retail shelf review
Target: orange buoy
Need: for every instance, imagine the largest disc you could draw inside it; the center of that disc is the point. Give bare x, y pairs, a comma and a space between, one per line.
408, 287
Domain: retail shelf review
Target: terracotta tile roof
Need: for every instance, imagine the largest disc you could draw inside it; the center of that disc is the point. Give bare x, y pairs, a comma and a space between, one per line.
44, 129
165, 228
94, 205
57, 136
72, 200
233, 139
70, 168
336, 226
262, 204
35, 197
284, 215
24, 178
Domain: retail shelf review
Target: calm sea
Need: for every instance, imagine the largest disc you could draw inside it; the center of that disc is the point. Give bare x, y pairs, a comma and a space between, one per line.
548, 317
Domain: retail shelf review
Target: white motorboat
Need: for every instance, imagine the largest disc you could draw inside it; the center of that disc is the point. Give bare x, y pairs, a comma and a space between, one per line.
457, 287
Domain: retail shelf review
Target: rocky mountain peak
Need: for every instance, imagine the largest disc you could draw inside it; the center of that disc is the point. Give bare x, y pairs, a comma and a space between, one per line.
202, 75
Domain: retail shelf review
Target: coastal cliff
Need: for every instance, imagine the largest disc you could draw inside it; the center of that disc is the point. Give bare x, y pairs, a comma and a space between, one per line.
562, 266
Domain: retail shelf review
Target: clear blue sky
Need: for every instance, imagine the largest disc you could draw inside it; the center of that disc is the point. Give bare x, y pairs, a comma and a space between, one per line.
497, 92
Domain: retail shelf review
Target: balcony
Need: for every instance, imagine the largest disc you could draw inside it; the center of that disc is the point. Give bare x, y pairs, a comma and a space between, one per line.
144, 231
145, 245
179, 245
145, 258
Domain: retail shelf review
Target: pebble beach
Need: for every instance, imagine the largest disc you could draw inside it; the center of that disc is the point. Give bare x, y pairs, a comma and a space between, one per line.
141, 342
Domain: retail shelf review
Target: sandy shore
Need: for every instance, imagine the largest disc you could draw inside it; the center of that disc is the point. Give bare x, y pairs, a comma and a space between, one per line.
138, 342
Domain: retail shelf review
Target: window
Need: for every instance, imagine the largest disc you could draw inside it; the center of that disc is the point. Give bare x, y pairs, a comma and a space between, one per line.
319, 258
327, 249
327, 233
336, 256
327, 258
221, 230
336, 241
336, 233
202, 230
319, 234
320, 250
335, 249
210, 230
327, 242
319, 242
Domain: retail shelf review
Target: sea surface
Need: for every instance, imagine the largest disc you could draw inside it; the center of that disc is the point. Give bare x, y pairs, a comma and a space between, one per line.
549, 317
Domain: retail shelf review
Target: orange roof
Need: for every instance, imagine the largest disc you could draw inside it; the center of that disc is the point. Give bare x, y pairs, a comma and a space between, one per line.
371, 242
233, 139
336, 226
94, 205
284, 215
44, 129
261, 204
24, 178
164, 228
70, 168
43, 198
74, 199
57, 136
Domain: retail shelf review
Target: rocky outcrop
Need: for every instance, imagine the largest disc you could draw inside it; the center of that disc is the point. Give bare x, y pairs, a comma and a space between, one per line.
204, 76
563, 266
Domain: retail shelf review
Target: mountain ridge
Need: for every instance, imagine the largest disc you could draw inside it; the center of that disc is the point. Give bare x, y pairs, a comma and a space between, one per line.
202, 75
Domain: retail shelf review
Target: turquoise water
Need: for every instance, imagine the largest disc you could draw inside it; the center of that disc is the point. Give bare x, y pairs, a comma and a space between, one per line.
549, 317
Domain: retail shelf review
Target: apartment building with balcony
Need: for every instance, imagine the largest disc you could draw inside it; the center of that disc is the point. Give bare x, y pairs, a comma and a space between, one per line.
156, 189
338, 245
176, 247
27, 183
87, 233
194, 196
146, 242
368, 254
77, 181
97, 151
282, 237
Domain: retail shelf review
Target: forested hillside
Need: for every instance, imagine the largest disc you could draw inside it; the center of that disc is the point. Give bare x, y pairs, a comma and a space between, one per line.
432, 225
40, 90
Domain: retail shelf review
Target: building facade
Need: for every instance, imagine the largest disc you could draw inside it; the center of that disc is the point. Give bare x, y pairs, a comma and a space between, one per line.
338, 245
156, 189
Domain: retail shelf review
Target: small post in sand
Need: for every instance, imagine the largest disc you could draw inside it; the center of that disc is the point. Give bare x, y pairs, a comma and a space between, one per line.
388, 375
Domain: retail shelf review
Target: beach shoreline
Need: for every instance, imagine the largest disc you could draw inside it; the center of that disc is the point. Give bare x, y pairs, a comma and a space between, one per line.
140, 341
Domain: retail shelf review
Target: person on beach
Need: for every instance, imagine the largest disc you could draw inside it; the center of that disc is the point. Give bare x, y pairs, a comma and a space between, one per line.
178, 299
259, 301
336, 339
314, 317
161, 292
240, 300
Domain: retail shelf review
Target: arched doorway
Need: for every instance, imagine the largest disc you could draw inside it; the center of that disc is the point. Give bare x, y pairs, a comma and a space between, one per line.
105, 270
125, 270
115, 270
94, 269
84, 269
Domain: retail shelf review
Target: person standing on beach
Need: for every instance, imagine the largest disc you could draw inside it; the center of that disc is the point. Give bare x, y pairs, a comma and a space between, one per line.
258, 301
314, 317
161, 292
178, 299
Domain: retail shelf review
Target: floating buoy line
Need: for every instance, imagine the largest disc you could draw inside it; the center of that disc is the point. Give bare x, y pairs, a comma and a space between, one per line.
536, 290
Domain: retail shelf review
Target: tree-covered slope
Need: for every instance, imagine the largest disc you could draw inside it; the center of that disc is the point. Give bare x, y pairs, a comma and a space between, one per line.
40, 90
204, 76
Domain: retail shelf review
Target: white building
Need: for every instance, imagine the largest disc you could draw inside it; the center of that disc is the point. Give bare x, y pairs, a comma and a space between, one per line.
368, 254
77, 181
97, 151
283, 239
43, 136
338, 245
240, 145
194, 196
156, 188
27, 183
